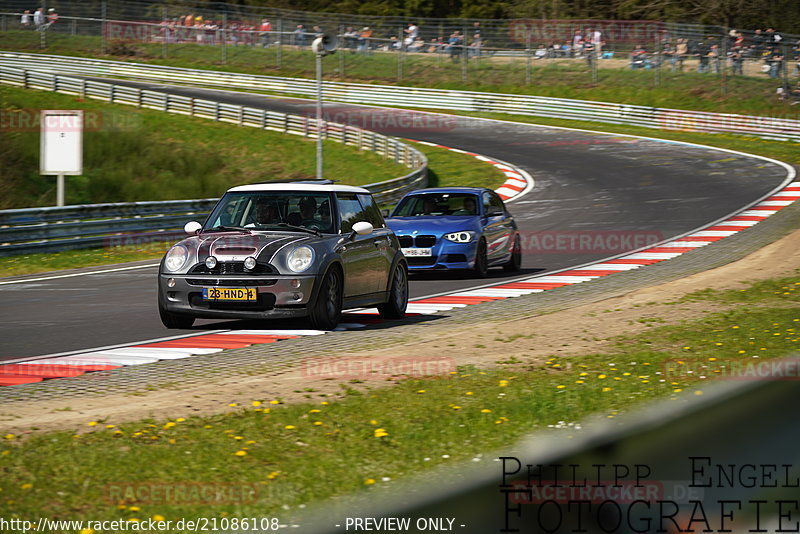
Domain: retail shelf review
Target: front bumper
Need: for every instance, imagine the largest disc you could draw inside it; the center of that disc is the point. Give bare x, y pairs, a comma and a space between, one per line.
446, 255
278, 296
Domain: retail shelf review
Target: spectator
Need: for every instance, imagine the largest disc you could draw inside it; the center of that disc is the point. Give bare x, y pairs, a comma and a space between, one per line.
775, 63
737, 61
25, 20
52, 17
318, 32
350, 38
577, 43
411, 34
702, 51
639, 58
477, 44
595, 37
540, 53
714, 58
264, 30
455, 44
299, 35
38, 18
188, 20
679, 56
363, 39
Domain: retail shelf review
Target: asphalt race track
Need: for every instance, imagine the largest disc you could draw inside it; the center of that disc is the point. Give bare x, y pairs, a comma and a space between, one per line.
619, 191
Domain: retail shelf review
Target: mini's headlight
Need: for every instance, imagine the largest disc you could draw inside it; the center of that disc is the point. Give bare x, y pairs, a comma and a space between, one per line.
460, 237
300, 259
176, 258
249, 263
211, 262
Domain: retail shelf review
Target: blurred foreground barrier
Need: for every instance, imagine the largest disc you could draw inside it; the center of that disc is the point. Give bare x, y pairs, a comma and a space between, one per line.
723, 461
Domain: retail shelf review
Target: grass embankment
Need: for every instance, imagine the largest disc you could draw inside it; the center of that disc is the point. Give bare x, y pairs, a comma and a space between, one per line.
751, 95
347, 442
149, 155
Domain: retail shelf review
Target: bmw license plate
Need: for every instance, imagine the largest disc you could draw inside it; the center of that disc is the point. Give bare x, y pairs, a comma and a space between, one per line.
424, 252
230, 293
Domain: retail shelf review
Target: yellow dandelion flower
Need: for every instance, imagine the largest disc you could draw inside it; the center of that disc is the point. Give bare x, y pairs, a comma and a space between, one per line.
560, 386
240, 453
255, 404
456, 407
87, 531
605, 390
168, 425
698, 392
121, 507
381, 432
250, 442
9, 436
626, 374
686, 348
274, 402
233, 404
317, 423
373, 422
584, 374
421, 391
134, 509
468, 393
314, 411
5, 453
678, 390
158, 518
290, 427
712, 359
273, 475
369, 482
486, 410
498, 422
503, 383
579, 382
601, 376
324, 403
26, 486
207, 426
91, 423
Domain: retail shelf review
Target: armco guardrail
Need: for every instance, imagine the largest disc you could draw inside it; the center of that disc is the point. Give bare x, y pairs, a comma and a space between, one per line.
51, 229
607, 112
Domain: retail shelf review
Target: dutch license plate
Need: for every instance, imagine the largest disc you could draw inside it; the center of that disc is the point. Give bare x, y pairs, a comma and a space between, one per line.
230, 293
416, 252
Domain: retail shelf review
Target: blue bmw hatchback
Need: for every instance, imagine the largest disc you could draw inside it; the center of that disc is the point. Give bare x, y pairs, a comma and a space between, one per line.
465, 228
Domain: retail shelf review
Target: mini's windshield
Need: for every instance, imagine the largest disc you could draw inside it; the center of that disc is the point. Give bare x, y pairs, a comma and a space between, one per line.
437, 204
274, 210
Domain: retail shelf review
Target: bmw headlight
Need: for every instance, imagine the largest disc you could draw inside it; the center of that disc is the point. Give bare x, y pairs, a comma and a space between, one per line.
300, 259
176, 258
460, 237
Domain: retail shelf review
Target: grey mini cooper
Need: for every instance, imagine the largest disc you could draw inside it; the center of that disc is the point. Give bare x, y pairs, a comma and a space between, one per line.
283, 250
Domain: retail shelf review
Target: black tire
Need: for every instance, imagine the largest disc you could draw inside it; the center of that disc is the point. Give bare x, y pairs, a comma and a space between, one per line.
481, 268
395, 308
327, 309
514, 263
173, 320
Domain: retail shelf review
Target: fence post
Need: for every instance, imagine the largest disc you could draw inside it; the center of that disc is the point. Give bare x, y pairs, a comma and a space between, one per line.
279, 51
166, 33
400, 57
103, 28
528, 58
724, 61
222, 33
657, 50
464, 54
341, 50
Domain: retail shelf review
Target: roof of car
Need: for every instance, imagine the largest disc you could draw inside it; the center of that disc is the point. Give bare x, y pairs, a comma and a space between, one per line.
298, 186
473, 190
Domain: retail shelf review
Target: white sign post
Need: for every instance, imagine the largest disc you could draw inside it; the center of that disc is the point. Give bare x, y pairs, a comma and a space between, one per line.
61, 146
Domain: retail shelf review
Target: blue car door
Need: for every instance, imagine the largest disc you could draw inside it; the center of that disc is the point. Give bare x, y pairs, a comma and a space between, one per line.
498, 228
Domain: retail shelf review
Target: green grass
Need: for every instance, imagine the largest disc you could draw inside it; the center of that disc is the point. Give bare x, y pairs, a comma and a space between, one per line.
23, 264
149, 155
303, 453
687, 90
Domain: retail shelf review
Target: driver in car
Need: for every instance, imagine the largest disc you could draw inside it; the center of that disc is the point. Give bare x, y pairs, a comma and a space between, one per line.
308, 208
265, 214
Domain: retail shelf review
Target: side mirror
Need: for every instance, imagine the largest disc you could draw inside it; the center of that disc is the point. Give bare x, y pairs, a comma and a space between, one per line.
363, 228
192, 227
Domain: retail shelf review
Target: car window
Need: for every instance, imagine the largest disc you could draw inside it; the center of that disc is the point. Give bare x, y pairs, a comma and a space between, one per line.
496, 205
269, 209
371, 211
436, 204
350, 211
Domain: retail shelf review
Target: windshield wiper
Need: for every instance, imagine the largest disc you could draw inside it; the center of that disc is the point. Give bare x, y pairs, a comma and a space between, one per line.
227, 229
299, 228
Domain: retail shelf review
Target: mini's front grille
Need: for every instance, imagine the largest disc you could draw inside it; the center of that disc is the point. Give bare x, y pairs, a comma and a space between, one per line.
229, 282
266, 301
233, 267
